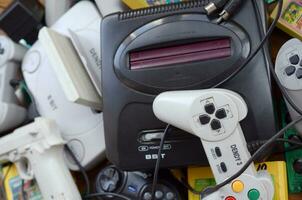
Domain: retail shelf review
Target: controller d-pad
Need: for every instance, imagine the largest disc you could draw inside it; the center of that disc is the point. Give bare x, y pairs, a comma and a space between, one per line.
299, 73
204, 119
215, 125
221, 113
290, 70
294, 60
210, 108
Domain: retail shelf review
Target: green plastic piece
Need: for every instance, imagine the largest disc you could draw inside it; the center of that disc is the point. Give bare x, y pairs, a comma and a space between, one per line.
294, 179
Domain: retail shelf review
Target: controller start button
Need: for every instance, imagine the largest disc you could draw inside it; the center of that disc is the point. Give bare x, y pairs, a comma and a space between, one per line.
237, 186
253, 194
230, 198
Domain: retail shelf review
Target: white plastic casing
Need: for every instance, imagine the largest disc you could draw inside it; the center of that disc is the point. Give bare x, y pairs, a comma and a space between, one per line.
37, 151
291, 83
54, 9
80, 125
107, 7
225, 145
11, 54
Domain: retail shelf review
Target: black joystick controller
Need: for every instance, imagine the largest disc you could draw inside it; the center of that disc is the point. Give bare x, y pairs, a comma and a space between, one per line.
138, 185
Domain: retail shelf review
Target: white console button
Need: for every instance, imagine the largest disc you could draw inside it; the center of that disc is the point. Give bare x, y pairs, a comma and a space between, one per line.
78, 149
31, 62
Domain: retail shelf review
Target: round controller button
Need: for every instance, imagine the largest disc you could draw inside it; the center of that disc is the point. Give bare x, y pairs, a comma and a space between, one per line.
170, 196
31, 62
253, 194
230, 198
147, 196
237, 186
159, 194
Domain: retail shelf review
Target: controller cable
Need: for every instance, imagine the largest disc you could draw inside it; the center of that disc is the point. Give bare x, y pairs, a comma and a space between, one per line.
81, 168
157, 165
258, 153
279, 84
269, 142
87, 194
107, 194
259, 47
189, 187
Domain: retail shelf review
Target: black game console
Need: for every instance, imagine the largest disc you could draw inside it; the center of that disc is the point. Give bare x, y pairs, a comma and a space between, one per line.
177, 47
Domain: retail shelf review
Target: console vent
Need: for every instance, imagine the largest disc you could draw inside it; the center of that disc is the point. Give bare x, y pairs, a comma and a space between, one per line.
164, 8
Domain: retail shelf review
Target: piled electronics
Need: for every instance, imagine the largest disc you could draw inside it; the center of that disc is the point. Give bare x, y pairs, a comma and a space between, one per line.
171, 86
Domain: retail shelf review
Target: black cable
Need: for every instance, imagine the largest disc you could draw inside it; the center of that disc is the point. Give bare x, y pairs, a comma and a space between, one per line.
259, 47
242, 66
259, 152
191, 189
22, 190
81, 168
157, 165
280, 86
294, 142
106, 194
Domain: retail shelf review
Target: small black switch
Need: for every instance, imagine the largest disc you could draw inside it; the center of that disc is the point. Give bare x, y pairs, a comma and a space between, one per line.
204, 119
290, 70
218, 152
223, 167
299, 73
294, 60
209, 108
215, 124
221, 114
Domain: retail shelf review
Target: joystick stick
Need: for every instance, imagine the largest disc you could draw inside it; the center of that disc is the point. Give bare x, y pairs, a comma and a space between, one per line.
214, 116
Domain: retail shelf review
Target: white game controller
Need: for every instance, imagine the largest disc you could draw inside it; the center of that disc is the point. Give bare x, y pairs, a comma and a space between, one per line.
289, 71
214, 116
11, 54
81, 126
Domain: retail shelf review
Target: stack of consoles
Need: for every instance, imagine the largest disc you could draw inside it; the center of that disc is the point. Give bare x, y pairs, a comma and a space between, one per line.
80, 125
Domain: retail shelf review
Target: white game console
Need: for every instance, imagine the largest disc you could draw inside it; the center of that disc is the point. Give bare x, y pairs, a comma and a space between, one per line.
11, 54
107, 7
54, 9
288, 68
80, 125
214, 116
